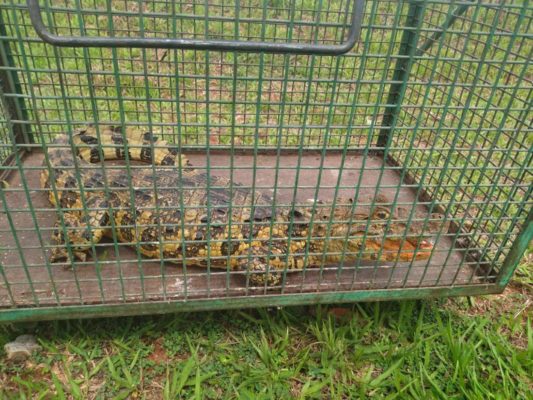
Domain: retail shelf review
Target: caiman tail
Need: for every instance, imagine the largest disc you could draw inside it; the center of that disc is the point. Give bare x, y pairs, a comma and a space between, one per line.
90, 145
113, 142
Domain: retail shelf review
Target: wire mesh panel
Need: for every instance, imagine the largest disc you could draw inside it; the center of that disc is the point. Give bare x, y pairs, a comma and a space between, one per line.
155, 179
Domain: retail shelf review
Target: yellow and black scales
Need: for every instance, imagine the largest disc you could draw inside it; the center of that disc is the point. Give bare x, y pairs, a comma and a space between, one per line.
172, 221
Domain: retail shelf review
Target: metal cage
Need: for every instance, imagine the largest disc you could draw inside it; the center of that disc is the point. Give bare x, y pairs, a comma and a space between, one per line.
423, 107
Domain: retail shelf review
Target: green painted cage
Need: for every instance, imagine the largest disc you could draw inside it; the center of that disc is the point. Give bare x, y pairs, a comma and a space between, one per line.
343, 150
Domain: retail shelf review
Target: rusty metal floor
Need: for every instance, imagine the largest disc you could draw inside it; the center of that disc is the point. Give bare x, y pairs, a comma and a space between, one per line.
121, 281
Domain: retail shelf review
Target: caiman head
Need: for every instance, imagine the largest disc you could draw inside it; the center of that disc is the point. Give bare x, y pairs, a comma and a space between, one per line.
377, 233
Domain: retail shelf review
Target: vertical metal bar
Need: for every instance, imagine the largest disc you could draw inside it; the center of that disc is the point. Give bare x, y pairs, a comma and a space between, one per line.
517, 250
377, 184
180, 169
323, 154
157, 211
364, 60
6, 283
418, 13
255, 147
308, 82
24, 181
103, 168
10, 83
366, 153
401, 72
279, 138
120, 101
301, 142
521, 177
208, 149
404, 171
232, 144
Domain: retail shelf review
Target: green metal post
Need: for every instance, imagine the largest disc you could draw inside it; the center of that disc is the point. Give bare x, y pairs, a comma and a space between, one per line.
401, 72
9, 83
517, 251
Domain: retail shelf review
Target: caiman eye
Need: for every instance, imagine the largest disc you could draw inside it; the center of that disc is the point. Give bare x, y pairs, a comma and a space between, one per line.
381, 214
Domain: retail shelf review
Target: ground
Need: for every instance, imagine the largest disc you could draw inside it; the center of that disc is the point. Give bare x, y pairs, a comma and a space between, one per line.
459, 348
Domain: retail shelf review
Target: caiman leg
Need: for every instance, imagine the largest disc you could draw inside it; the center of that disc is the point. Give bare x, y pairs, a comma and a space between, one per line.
257, 263
258, 260
276, 264
83, 230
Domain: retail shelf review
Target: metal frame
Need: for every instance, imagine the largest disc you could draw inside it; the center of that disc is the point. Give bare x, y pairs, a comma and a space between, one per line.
165, 307
219, 45
395, 90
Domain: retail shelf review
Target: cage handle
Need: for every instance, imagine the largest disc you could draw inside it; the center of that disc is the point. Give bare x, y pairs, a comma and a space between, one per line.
196, 44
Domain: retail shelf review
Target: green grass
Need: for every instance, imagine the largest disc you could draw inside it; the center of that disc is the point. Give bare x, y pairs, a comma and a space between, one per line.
436, 349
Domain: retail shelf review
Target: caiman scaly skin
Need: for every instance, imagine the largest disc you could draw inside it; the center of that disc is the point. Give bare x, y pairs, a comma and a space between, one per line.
178, 226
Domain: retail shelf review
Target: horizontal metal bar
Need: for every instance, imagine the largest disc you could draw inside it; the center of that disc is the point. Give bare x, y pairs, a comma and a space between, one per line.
197, 44
163, 307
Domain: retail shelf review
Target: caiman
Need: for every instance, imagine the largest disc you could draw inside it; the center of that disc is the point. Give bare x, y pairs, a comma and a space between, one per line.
166, 212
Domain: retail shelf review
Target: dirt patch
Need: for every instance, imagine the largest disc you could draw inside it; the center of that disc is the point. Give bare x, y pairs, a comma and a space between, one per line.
515, 303
159, 355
